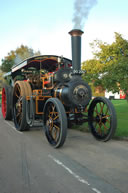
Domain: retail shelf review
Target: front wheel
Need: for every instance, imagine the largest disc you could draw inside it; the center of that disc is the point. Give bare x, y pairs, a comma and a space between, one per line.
102, 119
55, 122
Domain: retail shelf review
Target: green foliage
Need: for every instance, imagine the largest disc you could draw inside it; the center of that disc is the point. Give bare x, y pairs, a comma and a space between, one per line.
15, 57
109, 67
8, 62
1, 79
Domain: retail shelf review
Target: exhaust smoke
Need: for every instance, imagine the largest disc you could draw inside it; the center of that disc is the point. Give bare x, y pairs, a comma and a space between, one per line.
81, 11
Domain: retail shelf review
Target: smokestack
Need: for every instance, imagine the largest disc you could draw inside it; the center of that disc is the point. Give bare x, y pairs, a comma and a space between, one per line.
76, 49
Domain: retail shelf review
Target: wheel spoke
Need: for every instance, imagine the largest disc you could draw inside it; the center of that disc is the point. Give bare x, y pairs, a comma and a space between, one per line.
106, 111
95, 124
17, 95
97, 110
51, 127
105, 126
19, 119
18, 88
53, 110
108, 121
99, 129
18, 114
58, 128
57, 116
105, 117
102, 106
49, 116
54, 135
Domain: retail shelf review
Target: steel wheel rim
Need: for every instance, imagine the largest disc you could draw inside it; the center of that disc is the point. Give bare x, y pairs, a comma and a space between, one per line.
4, 103
101, 120
17, 103
53, 123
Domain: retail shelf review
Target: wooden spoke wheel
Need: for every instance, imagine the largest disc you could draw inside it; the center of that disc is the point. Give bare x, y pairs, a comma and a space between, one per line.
102, 119
6, 102
21, 90
55, 122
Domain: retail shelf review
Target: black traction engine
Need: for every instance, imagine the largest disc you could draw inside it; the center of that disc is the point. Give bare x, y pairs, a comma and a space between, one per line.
49, 89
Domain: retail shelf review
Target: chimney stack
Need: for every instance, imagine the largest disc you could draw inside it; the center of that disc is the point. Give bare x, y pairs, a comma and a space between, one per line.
76, 49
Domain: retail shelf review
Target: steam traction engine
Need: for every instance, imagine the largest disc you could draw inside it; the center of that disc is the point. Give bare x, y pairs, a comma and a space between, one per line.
50, 88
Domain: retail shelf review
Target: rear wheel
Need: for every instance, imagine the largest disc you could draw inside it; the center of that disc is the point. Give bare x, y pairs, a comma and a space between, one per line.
102, 119
6, 102
55, 122
21, 90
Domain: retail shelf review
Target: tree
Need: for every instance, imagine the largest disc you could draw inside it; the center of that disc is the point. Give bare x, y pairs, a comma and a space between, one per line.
109, 67
15, 57
8, 62
1, 79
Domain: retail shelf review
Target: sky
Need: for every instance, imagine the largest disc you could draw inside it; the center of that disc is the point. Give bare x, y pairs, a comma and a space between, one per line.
44, 25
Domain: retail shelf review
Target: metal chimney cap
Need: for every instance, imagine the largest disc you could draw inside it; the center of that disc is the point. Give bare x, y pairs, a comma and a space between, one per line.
76, 32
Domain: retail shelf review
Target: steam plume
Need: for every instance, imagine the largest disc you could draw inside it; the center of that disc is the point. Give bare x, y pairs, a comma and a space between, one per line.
81, 12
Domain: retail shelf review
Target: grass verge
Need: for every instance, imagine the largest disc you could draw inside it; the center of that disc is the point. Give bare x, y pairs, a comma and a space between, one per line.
121, 107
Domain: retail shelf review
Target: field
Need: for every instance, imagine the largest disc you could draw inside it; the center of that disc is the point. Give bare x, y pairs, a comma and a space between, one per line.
121, 107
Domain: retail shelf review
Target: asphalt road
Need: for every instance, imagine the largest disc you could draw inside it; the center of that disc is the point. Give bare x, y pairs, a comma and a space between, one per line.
28, 164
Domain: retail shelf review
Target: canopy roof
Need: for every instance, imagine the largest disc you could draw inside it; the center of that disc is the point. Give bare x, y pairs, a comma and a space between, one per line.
47, 62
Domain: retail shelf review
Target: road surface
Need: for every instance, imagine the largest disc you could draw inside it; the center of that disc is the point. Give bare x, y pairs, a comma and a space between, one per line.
28, 164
